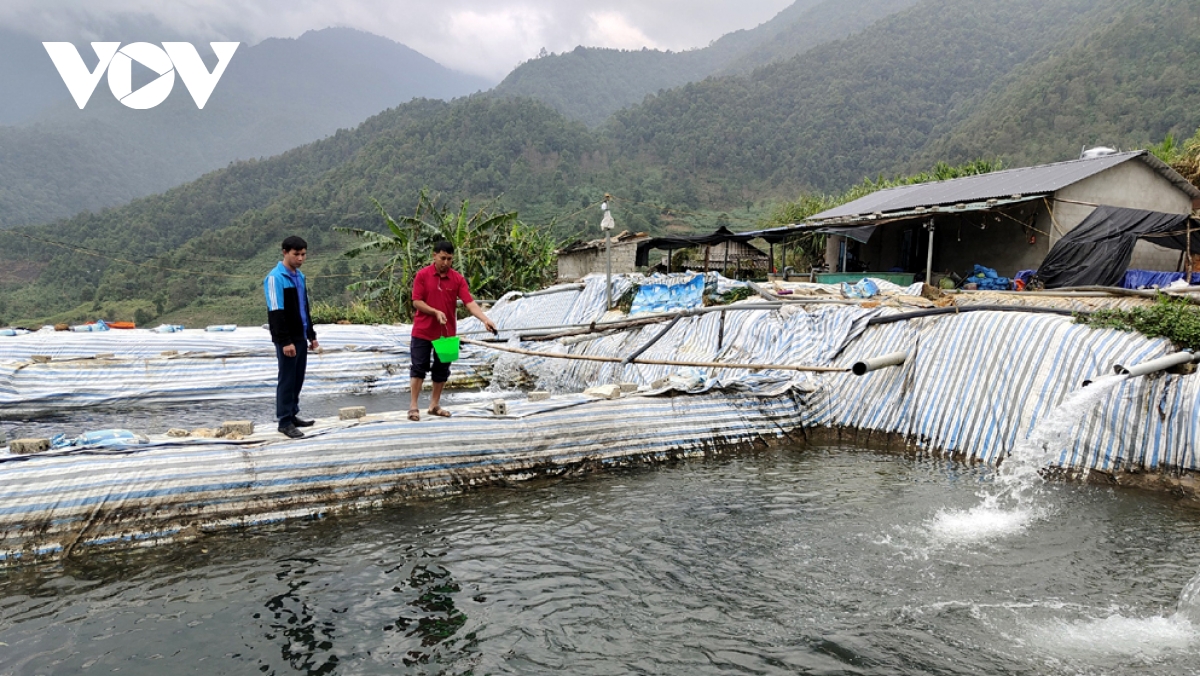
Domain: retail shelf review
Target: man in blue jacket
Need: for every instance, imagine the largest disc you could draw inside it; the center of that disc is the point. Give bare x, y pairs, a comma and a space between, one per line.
290, 321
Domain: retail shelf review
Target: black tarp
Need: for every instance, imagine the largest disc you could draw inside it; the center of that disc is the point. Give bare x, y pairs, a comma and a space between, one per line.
1097, 251
721, 234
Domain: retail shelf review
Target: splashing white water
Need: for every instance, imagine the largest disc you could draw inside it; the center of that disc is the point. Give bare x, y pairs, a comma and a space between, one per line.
554, 375
1188, 606
1010, 505
1020, 471
982, 522
1125, 638
1138, 639
507, 371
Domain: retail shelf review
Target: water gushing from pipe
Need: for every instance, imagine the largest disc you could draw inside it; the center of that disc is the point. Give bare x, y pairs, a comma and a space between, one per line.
1010, 504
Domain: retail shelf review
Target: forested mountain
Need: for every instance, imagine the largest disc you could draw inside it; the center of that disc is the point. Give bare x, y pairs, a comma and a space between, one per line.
1019, 80
213, 226
589, 84
1127, 83
275, 95
859, 106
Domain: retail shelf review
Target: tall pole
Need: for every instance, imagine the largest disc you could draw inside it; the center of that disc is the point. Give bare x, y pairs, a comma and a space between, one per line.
1188, 268
608, 267
607, 224
929, 255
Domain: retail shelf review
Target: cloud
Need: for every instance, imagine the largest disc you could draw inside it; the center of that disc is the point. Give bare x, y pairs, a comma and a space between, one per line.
613, 29
484, 37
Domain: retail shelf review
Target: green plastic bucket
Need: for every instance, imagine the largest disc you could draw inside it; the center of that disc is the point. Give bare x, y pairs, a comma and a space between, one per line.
446, 348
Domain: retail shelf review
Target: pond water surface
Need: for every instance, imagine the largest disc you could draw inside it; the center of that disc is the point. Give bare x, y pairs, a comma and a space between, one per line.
825, 560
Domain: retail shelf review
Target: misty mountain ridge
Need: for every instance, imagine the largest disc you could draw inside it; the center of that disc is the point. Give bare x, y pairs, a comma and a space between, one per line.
273, 96
590, 84
1021, 81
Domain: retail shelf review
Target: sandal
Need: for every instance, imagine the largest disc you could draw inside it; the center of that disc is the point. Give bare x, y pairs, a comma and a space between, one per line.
414, 414
439, 411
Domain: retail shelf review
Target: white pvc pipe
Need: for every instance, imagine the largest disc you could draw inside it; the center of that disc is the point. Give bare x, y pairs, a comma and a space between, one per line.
1154, 365
929, 256
891, 359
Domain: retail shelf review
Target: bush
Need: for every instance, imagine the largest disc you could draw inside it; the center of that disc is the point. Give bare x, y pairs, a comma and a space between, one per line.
357, 313
1175, 319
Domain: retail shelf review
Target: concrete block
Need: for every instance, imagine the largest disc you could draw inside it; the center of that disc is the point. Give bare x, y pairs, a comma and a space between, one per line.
169, 353
352, 412
539, 395
243, 427
628, 387
177, 432
204, 433
499, 407
604, 391
40, 358
660, 383
25, 446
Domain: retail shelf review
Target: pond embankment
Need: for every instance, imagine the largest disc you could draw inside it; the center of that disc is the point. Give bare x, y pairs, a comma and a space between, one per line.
973, 385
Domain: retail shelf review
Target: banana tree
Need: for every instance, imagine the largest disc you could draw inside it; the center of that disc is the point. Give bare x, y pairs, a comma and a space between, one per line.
494, 250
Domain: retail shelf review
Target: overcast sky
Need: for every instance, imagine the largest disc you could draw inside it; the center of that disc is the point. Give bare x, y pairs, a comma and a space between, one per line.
483, 37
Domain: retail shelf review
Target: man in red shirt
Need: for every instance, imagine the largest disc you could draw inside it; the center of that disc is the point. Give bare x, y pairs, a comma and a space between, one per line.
437, 289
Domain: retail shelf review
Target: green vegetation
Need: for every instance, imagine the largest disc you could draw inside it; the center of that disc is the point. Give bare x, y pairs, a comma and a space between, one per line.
1022, 81
590, 84
276, 95
1183, 158
857, 107
1175, 319
1121, 78
357, 312
495, 251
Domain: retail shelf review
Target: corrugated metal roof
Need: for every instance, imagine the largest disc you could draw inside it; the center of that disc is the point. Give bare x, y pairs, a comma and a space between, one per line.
1040, 180
777, 234
625, 237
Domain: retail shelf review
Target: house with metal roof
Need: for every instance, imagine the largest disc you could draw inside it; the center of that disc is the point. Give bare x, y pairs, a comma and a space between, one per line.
1007, 220
578, 259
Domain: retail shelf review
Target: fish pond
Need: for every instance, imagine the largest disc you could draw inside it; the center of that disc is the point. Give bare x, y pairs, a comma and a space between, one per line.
796, 559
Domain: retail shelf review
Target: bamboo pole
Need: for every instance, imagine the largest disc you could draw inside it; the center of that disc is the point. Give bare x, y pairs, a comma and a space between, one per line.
660, 362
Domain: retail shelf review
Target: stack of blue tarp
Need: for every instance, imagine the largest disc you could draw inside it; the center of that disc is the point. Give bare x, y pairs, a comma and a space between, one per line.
1145, 279
987, 279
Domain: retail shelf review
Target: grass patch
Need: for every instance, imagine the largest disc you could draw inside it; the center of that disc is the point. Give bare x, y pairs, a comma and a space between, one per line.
1175, 319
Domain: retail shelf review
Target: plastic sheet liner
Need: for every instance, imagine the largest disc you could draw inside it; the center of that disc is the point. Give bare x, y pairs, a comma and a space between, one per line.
669, 295
55, 503
139, 366
975, 385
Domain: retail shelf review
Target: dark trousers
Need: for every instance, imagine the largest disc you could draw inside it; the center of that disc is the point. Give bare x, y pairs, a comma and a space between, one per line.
291, 379
423, 354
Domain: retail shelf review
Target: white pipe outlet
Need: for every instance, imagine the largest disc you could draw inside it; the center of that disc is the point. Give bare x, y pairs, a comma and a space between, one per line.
1155, 365
891, 359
